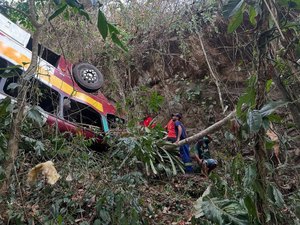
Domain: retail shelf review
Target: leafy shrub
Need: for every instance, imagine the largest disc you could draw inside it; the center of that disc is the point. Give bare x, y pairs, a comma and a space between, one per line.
118, 207
89, 191
5, 118
144, 145
232, 201
143, 100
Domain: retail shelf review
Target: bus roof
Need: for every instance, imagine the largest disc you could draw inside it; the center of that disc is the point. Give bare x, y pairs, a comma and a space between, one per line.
14, 31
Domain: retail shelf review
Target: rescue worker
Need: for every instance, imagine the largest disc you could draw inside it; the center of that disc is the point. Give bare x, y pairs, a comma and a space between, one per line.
170, 127
147, 122
180, 135
202, 155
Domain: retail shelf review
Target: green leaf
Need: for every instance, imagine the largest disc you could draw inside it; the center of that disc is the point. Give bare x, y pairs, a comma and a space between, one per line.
229, 136
25, 63
258, 188
277, 196
147, 168
117, 41
269, 144
58, 12
35, 114
232, 7
235, 21
252, 15
274, 118
85, 14
289, 3
66, 15
2, 173
102, 24
4, 103
271, 107
75, 4
57, 2
250, 175
268, 85
254, 121
236, 168
11, 71
13, 86
250, 206
59, 219
172, 163
97, 222
152, 166
248, 98
112, 29
105, 216
84, 223
39, 147
266, 123
198, 204
221, 210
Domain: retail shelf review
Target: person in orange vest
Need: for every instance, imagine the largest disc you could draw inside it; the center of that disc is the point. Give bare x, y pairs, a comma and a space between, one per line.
170, 127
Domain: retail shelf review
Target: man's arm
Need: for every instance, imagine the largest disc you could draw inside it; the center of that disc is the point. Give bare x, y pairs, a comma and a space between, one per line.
209, 138
179, 133
198, 159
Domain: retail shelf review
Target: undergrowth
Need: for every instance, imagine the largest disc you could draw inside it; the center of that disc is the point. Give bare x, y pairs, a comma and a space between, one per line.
90, 190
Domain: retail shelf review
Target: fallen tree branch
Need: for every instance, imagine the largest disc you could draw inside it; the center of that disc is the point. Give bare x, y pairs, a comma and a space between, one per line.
208, 130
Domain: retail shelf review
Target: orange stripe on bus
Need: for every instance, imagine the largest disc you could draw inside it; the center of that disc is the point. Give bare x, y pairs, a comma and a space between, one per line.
48, 77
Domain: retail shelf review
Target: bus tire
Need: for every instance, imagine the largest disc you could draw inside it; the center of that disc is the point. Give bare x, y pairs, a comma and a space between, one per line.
88, 77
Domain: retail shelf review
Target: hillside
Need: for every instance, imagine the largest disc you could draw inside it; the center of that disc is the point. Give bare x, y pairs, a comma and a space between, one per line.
203, 59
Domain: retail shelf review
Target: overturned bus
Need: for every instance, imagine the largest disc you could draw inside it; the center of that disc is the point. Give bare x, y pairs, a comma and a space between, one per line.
69, 94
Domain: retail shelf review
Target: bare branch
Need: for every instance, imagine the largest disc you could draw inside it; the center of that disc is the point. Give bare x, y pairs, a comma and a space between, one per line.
33, 15
274, 19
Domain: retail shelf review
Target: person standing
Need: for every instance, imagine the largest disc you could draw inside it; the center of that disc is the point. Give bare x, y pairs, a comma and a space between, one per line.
170, 127
180, 135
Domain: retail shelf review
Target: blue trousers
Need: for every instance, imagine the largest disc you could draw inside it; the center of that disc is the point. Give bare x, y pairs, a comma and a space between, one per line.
185, 157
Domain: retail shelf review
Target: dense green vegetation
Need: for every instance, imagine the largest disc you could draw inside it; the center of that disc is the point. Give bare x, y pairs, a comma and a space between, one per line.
202, 58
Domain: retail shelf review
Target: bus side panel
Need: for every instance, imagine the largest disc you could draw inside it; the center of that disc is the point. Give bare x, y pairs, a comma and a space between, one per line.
65, 126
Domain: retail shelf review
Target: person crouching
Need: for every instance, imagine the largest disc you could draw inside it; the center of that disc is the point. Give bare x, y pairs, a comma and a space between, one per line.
202, 155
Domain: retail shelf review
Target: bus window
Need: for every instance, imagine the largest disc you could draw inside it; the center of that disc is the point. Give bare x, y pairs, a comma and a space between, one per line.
47, 98
3, 64
50, 56
114, 121
81, 113
13, 92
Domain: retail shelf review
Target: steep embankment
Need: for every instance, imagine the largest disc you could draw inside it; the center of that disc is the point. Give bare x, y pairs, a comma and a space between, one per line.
166, 69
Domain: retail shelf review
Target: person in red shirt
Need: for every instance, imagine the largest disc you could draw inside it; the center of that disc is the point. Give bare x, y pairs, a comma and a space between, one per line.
170, 127
148, 122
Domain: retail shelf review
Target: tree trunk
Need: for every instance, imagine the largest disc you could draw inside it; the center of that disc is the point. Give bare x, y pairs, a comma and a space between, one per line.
18, 116
259, 138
